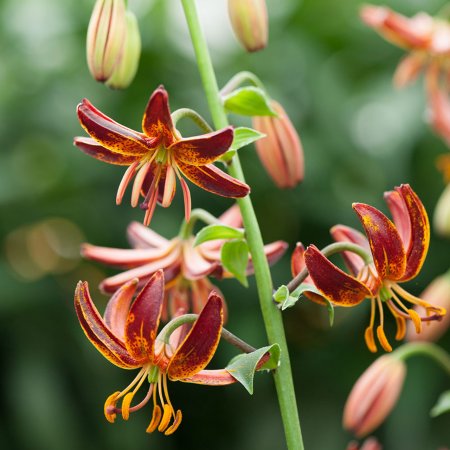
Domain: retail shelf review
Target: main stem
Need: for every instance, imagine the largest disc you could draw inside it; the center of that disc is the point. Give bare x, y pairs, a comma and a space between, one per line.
271, 315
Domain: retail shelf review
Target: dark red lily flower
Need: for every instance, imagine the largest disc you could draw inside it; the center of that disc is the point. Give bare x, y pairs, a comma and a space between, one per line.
126, 336
398, 250
186, 267
158, 156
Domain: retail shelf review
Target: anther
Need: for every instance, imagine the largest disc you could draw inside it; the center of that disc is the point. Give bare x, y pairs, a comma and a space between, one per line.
156, 417
416, 320
401, 328
126, 402
110, 407
382, 339
370, 341
175, 425
166, 417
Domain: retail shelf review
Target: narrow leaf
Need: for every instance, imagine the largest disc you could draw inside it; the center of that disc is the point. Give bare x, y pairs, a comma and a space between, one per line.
249, 101
234, 256
244, 136
213, 232
244, 366
442, 406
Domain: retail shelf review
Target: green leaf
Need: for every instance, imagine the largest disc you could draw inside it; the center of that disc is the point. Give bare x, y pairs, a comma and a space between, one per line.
248, 101
243, 367
213, 232
244, 136
442, 406
234, 256
281, 294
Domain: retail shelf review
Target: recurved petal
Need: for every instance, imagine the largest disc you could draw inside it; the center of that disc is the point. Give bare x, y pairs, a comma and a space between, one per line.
417, 249
124, 258
97, 151
116, 311
157, 121
205, 149
232, 217
199, 346
212, 179
273, 251
110, 134
400, 215
218, 377
342, 233
298, 259
140, 236
143, 319
337, 286
95, 329
385, 242
195, 266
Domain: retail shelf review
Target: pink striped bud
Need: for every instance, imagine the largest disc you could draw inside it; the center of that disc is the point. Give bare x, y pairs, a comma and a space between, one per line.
437, 292
281, 151
250, 23
374, 395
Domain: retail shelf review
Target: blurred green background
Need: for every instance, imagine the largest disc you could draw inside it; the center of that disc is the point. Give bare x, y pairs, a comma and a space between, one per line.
361, 137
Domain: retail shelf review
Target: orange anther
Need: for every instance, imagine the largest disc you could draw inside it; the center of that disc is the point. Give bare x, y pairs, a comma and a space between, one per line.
382, 339
156, 417
168, 410
370, 341
175, 425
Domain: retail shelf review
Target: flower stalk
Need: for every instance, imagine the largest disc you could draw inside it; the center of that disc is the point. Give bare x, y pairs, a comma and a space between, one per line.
429, 349
271, 315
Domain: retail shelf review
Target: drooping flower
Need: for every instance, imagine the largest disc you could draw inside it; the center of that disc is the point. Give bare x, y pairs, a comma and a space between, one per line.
186, 267
398, 250
374, 395
113, 43
250, 23
158, 156
428, 41
127, 337
280, 151
438, 293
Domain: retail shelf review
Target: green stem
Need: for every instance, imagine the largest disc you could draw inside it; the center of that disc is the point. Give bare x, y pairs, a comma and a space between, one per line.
271, 314
239, 79
329, 250
196, 214
166, 332
424, 348
188, 113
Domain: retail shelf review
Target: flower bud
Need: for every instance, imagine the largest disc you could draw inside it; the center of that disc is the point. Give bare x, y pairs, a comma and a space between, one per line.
125, 71
281, 151
250, 23
441, 216
374, 395
370, 443
437, 292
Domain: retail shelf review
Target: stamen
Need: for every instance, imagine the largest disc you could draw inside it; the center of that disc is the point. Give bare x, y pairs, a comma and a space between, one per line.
156, 417
416, 320
166, 417
126, 402
176, 423
169, 187
138, 182
186, 196
368, 334
438, 316
382, 339
411, 298
127, 176
109, 408
151, 209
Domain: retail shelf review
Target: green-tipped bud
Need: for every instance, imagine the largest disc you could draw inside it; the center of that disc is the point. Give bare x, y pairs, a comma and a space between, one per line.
125, 71
442, 214
250, 23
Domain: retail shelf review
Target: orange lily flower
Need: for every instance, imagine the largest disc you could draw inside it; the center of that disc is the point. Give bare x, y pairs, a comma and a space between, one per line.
158, 156
126, 336
398, 251
186, 267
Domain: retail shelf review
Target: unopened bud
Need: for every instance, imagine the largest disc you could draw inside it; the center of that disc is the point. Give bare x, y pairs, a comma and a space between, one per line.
250, 23
442, 213
374, 395
125, 71
113, 43
281, 151
438, 293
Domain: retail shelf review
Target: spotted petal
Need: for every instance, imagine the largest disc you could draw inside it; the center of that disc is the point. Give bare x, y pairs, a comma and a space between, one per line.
157, 121
337, 286
212, 179
205, 149
417, 249
103, 339
385, 242
200, 344
110, 134
97, 151
143, 319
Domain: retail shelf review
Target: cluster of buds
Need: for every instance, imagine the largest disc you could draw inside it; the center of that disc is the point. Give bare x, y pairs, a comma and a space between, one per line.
113, 44
427, 39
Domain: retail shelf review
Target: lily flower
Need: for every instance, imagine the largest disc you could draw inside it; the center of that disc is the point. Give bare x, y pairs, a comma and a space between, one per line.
158, 156
398, 250
186, 267
126, 336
